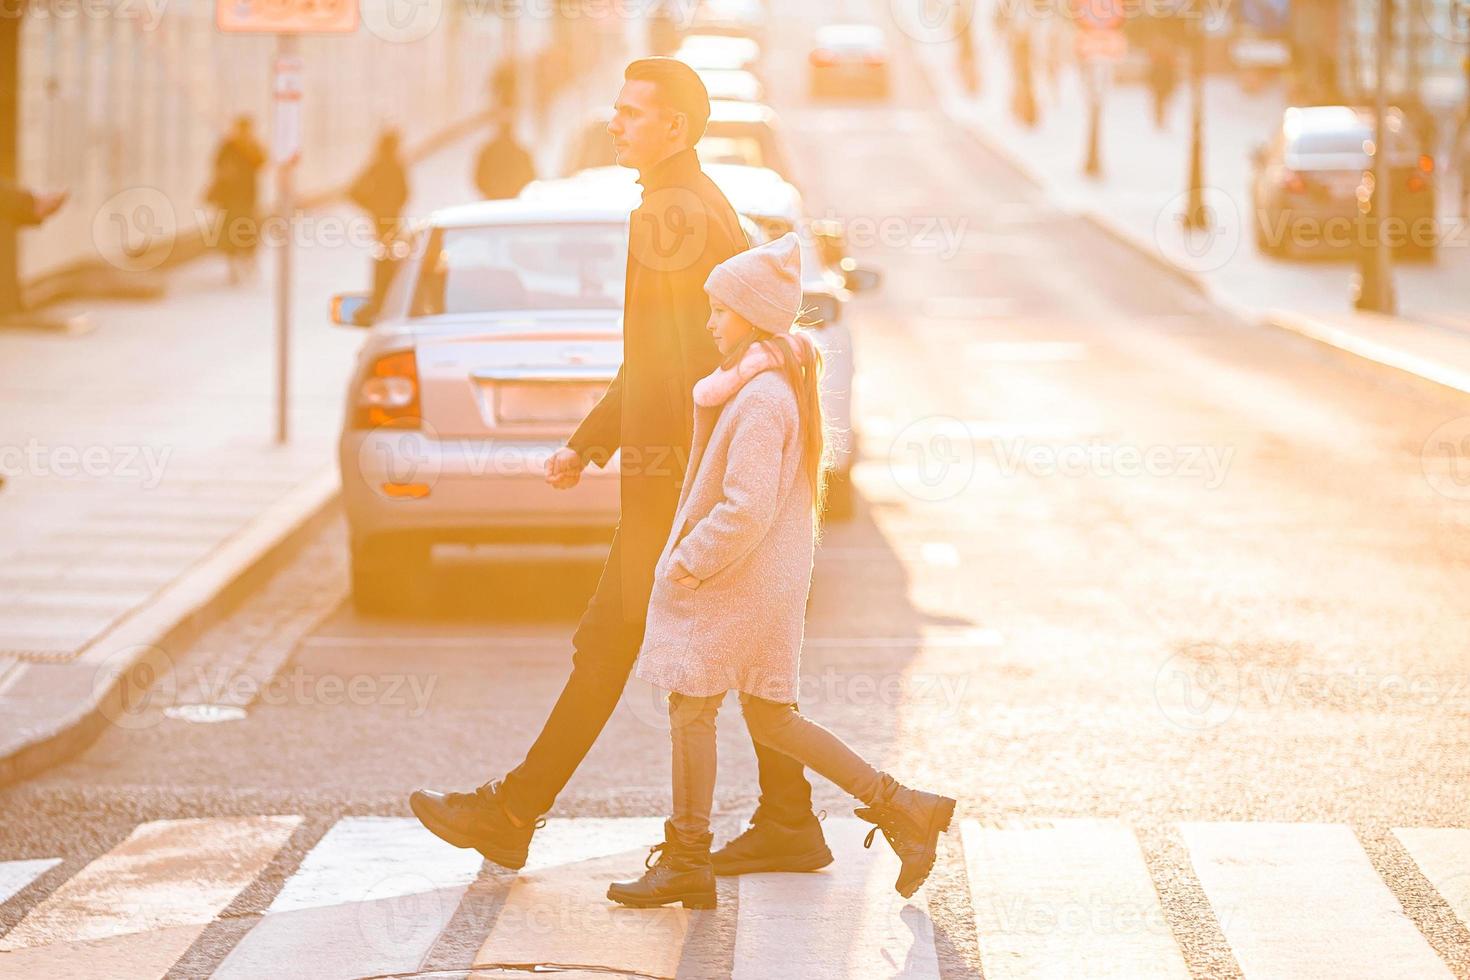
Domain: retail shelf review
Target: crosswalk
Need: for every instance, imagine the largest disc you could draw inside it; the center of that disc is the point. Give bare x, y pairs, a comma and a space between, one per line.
1067, 898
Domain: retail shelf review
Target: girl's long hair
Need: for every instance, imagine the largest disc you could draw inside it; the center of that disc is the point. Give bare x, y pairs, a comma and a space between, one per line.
800, 361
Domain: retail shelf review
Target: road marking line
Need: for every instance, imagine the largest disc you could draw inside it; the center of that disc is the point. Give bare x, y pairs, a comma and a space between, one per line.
1304, 901
372, 896
166, 873
15, 875
1443, 856
1073, 898
846, 920
1018, 351
556, 911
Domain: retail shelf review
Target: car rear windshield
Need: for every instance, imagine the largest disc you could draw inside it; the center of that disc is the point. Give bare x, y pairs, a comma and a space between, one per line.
522, 267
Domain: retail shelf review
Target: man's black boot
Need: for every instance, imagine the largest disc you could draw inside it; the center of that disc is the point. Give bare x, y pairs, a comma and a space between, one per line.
770, 844
682, 874
911, 821
477, 820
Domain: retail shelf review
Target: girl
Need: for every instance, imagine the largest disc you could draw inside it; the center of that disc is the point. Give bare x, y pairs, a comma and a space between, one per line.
730, 588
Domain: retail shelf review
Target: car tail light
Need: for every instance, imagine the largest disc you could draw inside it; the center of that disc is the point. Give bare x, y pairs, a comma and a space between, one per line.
1426, 163
823, 58
1293, 182
1417, 183
389, 395
875, 58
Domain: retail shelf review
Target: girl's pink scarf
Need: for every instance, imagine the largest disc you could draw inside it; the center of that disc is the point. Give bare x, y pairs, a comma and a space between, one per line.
717, 388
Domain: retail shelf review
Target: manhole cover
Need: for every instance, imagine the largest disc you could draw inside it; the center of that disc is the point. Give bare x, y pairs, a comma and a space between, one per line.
204, 714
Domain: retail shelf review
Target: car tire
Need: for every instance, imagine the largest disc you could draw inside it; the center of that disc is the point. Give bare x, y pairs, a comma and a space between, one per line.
389, 574
839, 496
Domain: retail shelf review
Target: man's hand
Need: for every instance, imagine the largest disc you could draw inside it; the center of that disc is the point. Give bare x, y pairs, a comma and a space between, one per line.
49, 204
564, 468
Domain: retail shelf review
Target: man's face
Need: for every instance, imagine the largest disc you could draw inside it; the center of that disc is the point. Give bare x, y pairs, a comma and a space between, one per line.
644, 131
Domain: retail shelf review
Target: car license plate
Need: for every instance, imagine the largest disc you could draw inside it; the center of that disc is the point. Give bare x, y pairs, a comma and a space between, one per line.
546, 401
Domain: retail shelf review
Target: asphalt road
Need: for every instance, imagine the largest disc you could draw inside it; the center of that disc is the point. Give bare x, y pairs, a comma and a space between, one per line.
1116, 556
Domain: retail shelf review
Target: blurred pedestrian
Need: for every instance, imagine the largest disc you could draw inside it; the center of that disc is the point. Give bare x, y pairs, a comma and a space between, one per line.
504, 166
1460, 162
1023, 99
731, 584
19, 208
382, 190
233, 190
1163, 79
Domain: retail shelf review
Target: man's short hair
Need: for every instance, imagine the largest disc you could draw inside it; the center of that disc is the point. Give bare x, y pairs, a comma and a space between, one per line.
679, 86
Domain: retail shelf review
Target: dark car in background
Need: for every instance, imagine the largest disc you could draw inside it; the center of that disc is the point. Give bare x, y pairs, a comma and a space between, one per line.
1308, 183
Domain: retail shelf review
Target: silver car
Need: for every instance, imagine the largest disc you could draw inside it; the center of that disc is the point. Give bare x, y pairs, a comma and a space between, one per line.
500, 331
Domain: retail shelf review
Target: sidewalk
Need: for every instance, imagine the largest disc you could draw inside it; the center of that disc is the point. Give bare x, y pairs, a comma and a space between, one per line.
142, 482
1142, 191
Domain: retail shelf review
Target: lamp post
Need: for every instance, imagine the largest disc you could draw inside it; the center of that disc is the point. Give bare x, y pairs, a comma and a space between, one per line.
1375, 286
1196, 216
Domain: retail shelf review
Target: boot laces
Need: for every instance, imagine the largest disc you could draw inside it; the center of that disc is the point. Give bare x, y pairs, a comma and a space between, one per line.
657, 849
894, 830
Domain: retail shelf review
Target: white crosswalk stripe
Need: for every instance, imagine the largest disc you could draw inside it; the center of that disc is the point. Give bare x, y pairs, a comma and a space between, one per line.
847, 918
140, 906
557, 909
370, 897
1443, 857
15, 875
1072, 898
1303, 901
1064, 898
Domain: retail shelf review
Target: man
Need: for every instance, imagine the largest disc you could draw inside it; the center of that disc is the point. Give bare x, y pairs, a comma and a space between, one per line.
683, 228
503, 167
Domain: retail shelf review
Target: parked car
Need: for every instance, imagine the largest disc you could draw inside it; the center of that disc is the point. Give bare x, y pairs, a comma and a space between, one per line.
702, 51
770, 207
849, 60
1308, 181
500, 331
738, 132
732, 85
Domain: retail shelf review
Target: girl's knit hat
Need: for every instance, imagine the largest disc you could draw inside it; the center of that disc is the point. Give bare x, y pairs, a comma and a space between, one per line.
762, 284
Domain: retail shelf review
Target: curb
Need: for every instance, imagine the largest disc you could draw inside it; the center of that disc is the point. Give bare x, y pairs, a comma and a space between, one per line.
1424, 374
118, 667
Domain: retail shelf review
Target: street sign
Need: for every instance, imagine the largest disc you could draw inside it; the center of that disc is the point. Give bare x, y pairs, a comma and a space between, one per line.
286, 16
1109, 46
287, 87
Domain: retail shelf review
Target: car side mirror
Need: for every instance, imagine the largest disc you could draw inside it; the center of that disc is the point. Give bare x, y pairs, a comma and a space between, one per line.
860, 278
350, 310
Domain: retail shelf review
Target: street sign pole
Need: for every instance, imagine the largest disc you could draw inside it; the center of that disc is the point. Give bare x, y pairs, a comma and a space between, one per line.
285, 19
286, 150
